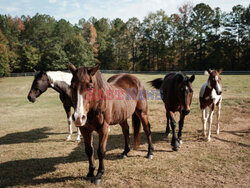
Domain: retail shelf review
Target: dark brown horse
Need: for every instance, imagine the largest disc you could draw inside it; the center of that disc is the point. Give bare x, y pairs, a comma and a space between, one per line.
99, 103
176, 91
60, 82
211, 96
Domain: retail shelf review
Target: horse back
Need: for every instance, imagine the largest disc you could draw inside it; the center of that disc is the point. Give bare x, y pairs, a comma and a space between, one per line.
125, 81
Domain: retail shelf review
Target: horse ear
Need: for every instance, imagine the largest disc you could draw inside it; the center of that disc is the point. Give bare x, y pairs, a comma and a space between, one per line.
93, 70
220, 70
192, 78
72, 68
209, 71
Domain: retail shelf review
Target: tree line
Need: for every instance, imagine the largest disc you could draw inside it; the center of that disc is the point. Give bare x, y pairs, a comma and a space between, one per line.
194, 38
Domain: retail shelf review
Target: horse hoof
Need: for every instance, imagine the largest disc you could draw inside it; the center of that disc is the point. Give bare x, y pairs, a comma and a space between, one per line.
150, 156
98, 181
175, 148
180, 142
208, 139
90, 178
68, 139
123, 156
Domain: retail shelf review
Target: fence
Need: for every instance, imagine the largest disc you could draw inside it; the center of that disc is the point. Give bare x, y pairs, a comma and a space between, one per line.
140, 72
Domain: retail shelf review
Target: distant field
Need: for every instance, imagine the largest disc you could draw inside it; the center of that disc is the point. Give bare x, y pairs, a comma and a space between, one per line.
34, 153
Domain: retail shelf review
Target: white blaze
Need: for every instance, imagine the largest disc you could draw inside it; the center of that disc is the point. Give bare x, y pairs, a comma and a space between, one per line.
80, 111
217, 84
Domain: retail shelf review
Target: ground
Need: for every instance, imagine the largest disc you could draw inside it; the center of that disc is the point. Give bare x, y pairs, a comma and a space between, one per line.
34, 152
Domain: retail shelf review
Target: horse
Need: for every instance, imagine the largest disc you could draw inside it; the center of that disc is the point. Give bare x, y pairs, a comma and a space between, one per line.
98, 104
211, 95
60, 82
176, 93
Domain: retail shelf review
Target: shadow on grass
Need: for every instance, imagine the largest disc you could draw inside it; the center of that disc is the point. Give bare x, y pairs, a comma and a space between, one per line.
24, 172
30, 136
239, 133
232, 142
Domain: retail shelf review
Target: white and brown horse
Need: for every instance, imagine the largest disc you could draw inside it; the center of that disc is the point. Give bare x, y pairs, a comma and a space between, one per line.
211, 96
60, 82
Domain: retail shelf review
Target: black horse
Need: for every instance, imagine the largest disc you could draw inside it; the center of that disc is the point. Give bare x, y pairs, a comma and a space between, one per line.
176, 92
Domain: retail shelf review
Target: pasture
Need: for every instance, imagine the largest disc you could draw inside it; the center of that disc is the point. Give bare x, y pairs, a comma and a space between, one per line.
34, 153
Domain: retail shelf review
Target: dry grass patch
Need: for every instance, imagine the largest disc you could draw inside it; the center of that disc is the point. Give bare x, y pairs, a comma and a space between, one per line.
34, 152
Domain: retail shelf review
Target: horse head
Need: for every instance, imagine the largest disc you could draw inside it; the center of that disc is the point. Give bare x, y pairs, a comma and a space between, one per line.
40, 85
82, 84
214, 80
185, 93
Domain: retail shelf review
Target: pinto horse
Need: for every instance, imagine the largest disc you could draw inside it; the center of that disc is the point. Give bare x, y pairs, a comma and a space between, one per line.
176, 92
60, 82
113, 107
211, 95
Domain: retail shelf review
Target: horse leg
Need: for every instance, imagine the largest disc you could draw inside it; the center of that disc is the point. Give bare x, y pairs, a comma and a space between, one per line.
68, 113
204, 120
103, 137
125, 131
174, 141
218, 117
89, 150
146, 127
167, 128
210, 122
78, 138
181, 123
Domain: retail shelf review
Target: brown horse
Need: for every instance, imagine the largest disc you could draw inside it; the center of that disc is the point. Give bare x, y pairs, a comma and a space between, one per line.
98, 104
176, 92
211, 95
60, 82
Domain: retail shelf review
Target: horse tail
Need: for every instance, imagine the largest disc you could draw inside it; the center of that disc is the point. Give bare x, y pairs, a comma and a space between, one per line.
156, 83
137, 126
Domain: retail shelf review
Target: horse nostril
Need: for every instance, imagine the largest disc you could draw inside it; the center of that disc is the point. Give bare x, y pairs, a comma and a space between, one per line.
83, 117
73, 117
29, 97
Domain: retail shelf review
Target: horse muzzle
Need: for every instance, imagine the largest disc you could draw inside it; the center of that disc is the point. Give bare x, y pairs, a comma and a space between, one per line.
218, 92
79, 122
31, 99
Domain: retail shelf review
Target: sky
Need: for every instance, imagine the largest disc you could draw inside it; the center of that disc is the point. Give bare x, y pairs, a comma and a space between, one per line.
73, 10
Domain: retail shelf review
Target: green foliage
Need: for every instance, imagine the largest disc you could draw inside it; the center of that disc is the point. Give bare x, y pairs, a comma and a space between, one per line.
30, 57
194, 38
79, 52
4, 55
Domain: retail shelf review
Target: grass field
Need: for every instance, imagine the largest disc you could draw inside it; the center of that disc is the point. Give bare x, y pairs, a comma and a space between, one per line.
34, 153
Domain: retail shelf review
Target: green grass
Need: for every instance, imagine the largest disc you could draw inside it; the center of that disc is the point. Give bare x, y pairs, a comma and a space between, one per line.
34, 153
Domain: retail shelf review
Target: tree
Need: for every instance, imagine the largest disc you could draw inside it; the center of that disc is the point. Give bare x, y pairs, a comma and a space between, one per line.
201, 23
133, 25
79, 52
30, 57
4, 55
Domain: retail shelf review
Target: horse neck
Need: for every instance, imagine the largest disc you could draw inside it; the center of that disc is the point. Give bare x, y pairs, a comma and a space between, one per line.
208, 90
102, 83
60, 81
